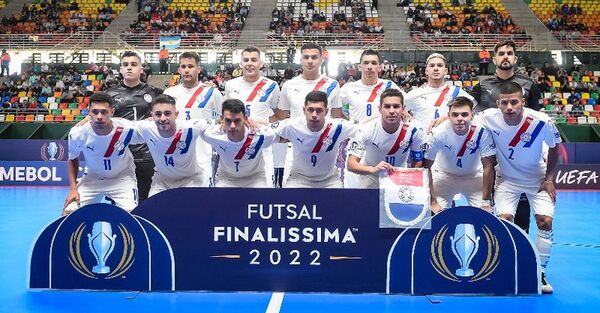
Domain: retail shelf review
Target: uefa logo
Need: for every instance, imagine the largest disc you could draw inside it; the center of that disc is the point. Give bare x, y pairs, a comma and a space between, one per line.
52, 151
100, 244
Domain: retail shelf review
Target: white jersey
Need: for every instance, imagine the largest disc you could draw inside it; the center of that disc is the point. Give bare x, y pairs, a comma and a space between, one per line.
294, 91
175, 156
106, 156
363, 100
372, 144
259, 97
315, 153
520, 148
426, 104
239, 159
200, 102
459, 155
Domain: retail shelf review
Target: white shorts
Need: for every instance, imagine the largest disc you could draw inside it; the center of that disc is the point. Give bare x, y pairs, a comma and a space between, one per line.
162, 183
258, 180
507, 194
300, 181
267, 155
446, 186
122, 190
283, 157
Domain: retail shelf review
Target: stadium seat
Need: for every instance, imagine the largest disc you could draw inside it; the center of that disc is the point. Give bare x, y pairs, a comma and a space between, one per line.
592, 120
69, 118
79, 118
571, 120
588, 108
49, 118
29, 118
10, 118
2, 117
59, 118
39, 118
20, 118
582, 120
65, 112
560, 120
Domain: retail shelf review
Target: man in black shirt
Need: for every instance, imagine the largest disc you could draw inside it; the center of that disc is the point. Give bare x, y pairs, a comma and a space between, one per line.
487, 91
132, 99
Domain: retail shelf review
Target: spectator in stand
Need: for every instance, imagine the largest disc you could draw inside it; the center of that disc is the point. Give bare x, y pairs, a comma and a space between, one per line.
5, 63
484, 61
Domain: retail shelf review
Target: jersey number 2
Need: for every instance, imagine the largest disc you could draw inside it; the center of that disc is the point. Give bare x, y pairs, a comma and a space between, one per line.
512, 152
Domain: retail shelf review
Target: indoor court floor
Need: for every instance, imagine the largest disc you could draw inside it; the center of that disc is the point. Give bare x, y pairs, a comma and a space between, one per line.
574, 271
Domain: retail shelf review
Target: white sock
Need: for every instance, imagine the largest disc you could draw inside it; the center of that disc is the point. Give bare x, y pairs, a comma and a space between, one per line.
543, 244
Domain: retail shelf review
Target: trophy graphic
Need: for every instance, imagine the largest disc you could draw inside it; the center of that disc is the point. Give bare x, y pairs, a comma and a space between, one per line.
52, 149
464, 246
102, 243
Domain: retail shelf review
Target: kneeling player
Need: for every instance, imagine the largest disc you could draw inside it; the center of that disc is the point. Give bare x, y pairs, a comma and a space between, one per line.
109, 167
521, 136
240, 149
386, 143
464, 153
172, 144
316, 141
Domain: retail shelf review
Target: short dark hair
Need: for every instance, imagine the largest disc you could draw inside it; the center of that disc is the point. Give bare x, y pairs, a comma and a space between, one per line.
370, 52
311, 45
459, 102
101, 97
164, 99
131, 54
190, 55
234, 106
503, 43
316, 96
510, 87
250, 49
391, 93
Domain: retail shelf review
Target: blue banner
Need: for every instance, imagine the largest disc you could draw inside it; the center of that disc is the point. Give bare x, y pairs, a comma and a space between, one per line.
304, 240
33, 173
33, 150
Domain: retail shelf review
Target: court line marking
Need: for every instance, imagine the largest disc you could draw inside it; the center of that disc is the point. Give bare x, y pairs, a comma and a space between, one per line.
275, 302
581, 245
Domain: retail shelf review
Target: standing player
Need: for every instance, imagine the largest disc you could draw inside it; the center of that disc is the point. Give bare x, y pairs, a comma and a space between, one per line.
109, 169
385, 144
430, 101
240, 150
294, 91
316, 141
521, 135
172, 145
486, 94
132, 100
464, 156
362, 96
196, 100
260, 95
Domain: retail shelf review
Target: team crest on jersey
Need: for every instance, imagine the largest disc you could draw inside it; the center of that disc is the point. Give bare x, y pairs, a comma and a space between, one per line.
181, 145
199, 99
525, 137
471, 144
261, 93
404, 144
249, 151
119, 145
327, 141
148, 98
406, 194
